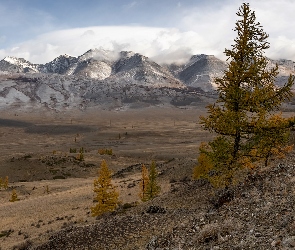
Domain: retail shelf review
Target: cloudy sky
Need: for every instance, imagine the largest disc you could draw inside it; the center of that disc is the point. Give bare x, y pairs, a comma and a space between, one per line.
164, 30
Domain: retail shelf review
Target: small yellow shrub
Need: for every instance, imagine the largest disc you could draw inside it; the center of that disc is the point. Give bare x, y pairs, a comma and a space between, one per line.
80, 157
13, 196
105, 151
4, 183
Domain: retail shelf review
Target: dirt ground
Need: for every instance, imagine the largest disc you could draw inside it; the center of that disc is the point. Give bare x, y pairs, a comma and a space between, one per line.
55, 189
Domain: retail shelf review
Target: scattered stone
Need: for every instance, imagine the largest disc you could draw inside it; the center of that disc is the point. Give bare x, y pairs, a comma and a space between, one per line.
156, 210
131, 185
275, 243
289, 242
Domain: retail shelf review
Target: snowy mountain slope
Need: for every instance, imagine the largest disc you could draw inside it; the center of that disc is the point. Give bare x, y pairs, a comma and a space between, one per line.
61, 92
17, 65
129, 67
101, 64
133, 67
94, 63
285, 67
201, 70
110, 80
59, 65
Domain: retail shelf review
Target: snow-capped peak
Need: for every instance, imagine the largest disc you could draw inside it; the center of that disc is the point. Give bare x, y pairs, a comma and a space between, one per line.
99, 55
20, 63
12, 59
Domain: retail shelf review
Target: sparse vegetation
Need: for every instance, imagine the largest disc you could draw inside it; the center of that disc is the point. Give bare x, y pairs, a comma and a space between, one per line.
105, 151
46, 189
58, 177
80, 156
129, 205
6, 233
243, 118
13, 196
4, 182
27, 156
73, 150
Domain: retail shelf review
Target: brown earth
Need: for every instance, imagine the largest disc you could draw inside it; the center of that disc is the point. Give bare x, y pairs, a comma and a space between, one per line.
55, 189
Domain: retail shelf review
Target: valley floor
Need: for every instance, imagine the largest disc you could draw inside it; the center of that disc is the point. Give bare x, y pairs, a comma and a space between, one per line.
55, 190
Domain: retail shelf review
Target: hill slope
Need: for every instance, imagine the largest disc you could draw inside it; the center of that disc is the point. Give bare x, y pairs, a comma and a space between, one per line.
255, 215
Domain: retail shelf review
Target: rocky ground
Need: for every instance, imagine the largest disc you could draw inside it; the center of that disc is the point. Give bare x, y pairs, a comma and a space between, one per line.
257, 214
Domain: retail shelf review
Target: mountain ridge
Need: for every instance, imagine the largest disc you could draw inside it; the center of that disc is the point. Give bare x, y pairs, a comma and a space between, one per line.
198, 72
113, 81
101, 64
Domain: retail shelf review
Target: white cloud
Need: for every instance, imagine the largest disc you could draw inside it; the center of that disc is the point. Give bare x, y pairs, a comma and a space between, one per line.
215, 23
204, 29
151, 42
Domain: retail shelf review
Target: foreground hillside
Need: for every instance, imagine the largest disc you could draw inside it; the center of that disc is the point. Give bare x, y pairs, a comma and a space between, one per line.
258, 214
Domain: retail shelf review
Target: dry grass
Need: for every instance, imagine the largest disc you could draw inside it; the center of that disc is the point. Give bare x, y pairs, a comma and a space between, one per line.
48, 204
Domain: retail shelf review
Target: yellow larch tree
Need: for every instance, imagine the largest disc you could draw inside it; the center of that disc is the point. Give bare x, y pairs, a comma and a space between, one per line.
144, 183
153, 189
105, 192
243, 118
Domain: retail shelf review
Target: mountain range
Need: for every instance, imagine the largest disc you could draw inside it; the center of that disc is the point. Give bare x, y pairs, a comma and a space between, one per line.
113, 80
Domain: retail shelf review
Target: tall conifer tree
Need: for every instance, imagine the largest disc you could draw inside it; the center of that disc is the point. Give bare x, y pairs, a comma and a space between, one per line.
144, 183
106, 194
153, 189
243, 116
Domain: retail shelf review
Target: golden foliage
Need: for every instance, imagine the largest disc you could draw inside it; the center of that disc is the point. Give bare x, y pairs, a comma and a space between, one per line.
4, 182
105, 151
144, 183
13, 196
153, 189
205, 164
80, 156
106, 194
247, 130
